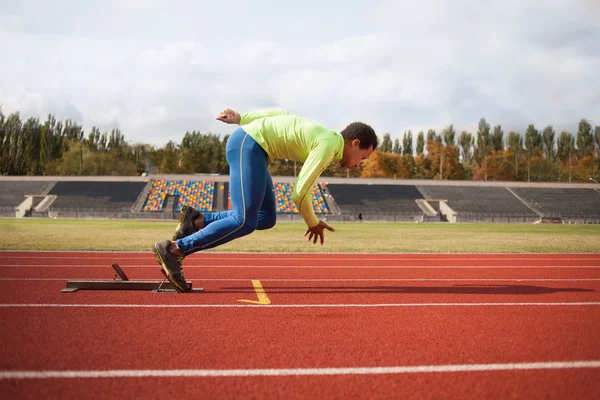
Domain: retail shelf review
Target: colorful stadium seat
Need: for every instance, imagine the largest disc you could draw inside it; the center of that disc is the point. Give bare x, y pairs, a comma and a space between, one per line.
197, 194
283, 199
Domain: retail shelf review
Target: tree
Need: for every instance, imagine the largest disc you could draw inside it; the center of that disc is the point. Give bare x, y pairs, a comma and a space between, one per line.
533, 145
596, 140
397, 146
420, 143
12, 143
449, 133
407, 143
548, 140
205, 153
451, 164
497, 138
386, 144
431, 134
2, 137
498, 166
465, 142
515, 146
170, 161
585, 142
483, 144
384, 165
31, 156
408, 162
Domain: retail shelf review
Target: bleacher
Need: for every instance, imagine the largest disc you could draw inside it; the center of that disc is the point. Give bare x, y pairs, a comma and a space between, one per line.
284, 203
12, 193
197, 194
562, 203
364, 199
95, 196
478, 200
337, 200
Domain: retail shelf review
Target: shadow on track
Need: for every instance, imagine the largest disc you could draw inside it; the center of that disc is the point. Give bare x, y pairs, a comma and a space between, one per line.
455, 289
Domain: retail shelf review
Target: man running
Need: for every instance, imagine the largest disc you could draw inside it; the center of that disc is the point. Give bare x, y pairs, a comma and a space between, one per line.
264, 136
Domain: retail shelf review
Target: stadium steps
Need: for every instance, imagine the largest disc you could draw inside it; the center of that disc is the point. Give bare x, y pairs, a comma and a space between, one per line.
532, 208
426, 207
45, 203
330, 201
170, 203
142, 198
219, 192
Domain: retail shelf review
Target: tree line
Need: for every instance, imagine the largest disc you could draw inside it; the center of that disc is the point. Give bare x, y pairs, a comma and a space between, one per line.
489, 154
53, 147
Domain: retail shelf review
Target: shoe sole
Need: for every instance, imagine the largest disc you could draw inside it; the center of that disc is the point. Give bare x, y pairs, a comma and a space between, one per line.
158, 258
180, 221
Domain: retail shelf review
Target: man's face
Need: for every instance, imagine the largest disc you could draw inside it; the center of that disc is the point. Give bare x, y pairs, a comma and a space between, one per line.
354, 155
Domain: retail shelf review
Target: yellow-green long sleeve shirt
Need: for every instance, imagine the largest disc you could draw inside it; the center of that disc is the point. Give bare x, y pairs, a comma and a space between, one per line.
286, 136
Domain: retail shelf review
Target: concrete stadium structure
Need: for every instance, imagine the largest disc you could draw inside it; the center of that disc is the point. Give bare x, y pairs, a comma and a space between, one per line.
347, 199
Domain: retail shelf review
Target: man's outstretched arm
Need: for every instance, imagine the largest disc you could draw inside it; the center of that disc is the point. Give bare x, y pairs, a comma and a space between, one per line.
252, 116
230, 116
316, 162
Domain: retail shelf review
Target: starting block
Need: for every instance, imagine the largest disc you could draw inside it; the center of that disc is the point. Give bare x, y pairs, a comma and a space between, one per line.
124, 283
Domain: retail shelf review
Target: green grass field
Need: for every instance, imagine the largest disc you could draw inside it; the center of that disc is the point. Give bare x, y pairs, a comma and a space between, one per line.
104, 235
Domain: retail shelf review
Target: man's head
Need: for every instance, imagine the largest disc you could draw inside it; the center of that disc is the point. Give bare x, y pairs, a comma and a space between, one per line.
360, 141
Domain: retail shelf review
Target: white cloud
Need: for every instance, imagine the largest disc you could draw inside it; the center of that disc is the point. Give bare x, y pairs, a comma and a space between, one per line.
162, 69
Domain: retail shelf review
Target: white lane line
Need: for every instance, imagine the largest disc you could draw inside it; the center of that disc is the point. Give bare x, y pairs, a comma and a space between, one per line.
212, 373
306, 266
334, 280
344, 253
347, 258
590, 303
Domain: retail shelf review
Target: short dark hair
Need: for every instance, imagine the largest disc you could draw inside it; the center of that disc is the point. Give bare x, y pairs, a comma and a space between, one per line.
362, 132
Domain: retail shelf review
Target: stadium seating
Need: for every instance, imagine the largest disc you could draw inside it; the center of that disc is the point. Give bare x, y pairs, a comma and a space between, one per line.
12, 193
197, 194
284, 203
92, 195
478, 200
562, 202
354, 199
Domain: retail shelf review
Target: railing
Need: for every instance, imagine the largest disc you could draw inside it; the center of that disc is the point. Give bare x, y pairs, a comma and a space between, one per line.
369, 216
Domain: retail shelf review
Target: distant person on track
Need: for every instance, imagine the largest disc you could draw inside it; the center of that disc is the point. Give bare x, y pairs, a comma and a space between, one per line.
264, 136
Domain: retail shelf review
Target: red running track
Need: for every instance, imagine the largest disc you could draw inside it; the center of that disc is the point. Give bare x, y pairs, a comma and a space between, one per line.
337, 326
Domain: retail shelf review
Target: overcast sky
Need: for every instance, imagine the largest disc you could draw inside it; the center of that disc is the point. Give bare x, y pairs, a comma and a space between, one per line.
157, 68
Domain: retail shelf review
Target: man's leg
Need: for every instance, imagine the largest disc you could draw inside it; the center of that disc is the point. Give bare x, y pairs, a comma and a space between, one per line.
267, 217
191, 220
248, 182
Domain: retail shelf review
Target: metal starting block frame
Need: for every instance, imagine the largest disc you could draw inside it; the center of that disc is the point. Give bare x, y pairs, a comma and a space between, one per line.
163, 286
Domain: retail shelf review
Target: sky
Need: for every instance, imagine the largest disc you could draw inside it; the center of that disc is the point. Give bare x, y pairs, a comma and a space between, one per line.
156, 69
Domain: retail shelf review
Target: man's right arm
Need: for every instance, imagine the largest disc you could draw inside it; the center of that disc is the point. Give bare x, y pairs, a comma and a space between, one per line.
253, 116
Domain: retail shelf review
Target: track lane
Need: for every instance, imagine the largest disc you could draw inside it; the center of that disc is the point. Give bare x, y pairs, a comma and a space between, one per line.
320, 292
258, 337
152, 271
289, 260
233, 338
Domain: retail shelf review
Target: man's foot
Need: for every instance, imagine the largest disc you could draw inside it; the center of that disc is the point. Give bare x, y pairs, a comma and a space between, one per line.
171, 265
185, 224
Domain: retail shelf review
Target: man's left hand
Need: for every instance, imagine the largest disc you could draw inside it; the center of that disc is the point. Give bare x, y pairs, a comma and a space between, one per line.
316, 232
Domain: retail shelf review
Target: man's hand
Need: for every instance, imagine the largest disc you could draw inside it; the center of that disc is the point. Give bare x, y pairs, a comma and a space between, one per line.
317, 232
229, 116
